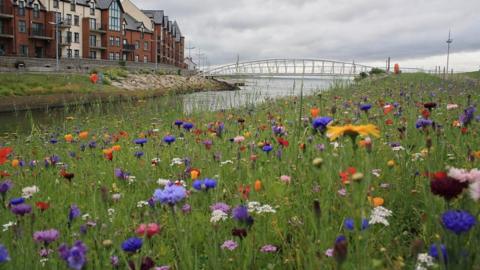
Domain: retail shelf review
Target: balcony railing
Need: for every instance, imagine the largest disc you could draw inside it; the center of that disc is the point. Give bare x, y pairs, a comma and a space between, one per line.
101, 28
129, 47
6, 12
6, 32
40, 34
64, 22
65, 41
97, 45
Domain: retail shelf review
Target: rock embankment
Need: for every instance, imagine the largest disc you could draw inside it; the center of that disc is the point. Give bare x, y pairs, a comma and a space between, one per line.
170, 83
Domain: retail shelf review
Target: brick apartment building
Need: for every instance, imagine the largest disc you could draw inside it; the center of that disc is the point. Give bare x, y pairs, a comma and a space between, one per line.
94, 29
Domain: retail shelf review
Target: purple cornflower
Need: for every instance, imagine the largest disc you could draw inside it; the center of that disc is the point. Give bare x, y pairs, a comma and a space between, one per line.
140, 141
220, 206
433, 251
5, 186
114, 261
458, 221
240, 213
92, 144
132, 244
321, 123
169, 139
120, 174
4, 257
267, 148
73, 213
467, 115
74, 256
206, 184
178, 123
138, 154
229, 244
169, 195
46, 237
423, 123
186, 208
279, 130
21, 209
269, 249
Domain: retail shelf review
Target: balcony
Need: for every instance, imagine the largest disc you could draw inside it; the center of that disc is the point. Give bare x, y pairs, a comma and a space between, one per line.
40, 34
65, 41
97, 45
65, 23
6, 33
98, 28
6, 12
129, 47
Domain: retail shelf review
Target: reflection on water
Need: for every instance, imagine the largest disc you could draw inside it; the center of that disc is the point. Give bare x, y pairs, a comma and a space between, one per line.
254, 92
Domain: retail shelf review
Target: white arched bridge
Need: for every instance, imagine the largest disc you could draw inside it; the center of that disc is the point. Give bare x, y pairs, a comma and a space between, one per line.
292, 68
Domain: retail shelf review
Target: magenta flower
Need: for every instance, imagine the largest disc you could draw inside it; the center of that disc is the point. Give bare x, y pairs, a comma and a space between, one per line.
229, 244
46, 237
269, 249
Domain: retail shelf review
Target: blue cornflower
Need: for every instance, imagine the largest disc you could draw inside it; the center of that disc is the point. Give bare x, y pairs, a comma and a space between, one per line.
467, 115
92, 144
132, 244
349, 224
433, 251
4, 257
138, 154
365, 224
178, 123
170, 195
75, 256
210, 183
458, 221
321, 123
187, 126
267, 148
197, 184
16, 201
5, 186
53, 140
169, 139
365, 107
140, 141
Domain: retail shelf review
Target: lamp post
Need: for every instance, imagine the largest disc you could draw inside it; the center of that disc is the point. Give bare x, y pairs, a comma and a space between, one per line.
56, 23
449, 41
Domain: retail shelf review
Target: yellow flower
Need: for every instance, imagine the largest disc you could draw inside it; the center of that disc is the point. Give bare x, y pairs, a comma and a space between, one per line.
15, 163
364, 130
391, 163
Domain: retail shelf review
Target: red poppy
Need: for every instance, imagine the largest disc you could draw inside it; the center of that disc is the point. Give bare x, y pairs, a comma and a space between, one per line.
67, 175
389, 122
464, 130
245, 191
4, 152
425, 114
42, 206
282, 141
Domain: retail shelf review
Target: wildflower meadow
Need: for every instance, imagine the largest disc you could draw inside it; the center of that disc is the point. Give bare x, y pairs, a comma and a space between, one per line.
377, 174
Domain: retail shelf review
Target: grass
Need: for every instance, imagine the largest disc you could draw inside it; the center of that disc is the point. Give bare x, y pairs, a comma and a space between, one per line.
473, 75
310, 210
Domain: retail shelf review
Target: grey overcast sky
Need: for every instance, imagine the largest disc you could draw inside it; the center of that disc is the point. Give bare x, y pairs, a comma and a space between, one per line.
412, 32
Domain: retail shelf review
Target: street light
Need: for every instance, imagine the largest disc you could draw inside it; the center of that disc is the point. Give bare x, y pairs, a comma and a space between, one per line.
57, 40
449, 41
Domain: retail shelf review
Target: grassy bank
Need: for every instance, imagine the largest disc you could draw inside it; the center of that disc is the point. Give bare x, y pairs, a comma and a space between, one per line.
293, 195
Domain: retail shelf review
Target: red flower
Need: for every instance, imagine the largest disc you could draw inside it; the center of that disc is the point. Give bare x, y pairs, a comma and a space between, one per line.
148, 229
446, 187
425, 114
42, 205
389, 122
245, 191
282, 142
67, 175
4, 152
4, 174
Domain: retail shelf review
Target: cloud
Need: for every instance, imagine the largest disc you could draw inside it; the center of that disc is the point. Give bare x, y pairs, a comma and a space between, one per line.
361, 30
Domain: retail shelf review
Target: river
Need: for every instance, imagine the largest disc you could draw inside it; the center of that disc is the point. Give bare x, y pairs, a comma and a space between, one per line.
255, 91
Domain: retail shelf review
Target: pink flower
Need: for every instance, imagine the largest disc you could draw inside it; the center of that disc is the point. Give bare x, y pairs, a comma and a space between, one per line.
329, 252
452, 106
285, 179
238, 139
475, 191
268, 249
342, 192
463, 175
150, 229
229, 244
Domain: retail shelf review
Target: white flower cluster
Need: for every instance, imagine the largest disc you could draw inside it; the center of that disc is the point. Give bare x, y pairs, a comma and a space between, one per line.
424, 261
111, 212
176, 161
258, 208
379, 216
141, 204
217, 216
27, 192
226, 162
8, 225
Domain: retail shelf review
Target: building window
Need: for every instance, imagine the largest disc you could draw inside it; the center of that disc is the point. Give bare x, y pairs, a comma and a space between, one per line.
114, 16
36, 11
22, 27
117, 41
21, 8
76, 37
93, 55
92, 8
73, 5
69, 53
137, 45
69, 19
37, 29
93, 41
145, 46
124, 42
142, 34
110, 56
77, 53
136, 58
117, 56
145, 59
93, 24
23, 50
55, 3
69, 37
76, 20
112, 42
58, 17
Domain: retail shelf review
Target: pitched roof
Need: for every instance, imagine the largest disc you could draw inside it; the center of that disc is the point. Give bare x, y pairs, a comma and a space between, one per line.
155, 15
